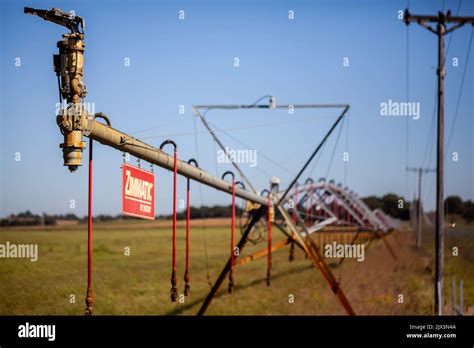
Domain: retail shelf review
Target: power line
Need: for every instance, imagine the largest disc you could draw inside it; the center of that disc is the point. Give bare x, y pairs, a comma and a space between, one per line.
460, 89
430, 140
420, 171
441, 29
458, 103
407, 123
457, 106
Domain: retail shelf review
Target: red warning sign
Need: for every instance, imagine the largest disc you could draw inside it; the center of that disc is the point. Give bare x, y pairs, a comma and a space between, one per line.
138, 192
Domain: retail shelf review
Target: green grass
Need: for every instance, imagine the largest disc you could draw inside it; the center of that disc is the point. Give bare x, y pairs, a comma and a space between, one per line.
461, 266
140, 283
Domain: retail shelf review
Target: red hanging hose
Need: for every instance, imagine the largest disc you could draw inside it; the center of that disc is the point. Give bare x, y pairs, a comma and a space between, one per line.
174, 280
187, 278
292, 244
269, 259
89, 295
188, 222
232, 240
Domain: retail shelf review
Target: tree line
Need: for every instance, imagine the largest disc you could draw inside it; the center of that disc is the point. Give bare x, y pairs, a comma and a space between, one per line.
391, 204
27, 218
397, 207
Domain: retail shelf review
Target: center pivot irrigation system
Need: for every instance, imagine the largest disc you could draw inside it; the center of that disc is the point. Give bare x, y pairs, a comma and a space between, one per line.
308, 215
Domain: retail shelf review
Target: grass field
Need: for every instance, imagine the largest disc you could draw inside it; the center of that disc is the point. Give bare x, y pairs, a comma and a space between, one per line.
140, 283
461, 266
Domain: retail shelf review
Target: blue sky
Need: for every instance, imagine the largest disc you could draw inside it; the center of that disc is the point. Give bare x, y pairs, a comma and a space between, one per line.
174, 62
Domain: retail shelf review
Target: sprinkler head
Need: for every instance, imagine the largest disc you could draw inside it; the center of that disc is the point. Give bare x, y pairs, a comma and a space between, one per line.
272, 102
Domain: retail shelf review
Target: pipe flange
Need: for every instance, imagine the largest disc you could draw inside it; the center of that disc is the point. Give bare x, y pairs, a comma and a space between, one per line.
87, 129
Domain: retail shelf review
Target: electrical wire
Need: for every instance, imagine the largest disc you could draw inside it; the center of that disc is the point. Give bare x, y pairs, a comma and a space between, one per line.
456, 112
457, 108
430, 141
431, 137
407, 138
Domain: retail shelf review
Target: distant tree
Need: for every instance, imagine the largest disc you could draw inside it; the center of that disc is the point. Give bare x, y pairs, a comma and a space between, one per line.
373, 202
26, 214
70, 216
468, 211
453, 205
389, 205
49, 219
103, 217
204, 211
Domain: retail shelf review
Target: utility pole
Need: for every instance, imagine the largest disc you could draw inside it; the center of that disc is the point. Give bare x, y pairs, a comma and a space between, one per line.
441, 20
420, 172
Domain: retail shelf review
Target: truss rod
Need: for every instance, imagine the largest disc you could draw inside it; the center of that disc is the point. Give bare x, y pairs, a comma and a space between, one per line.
109, 136
244, 177
346, 108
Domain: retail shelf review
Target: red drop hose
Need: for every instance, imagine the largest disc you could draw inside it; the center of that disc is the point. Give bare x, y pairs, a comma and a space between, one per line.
269, 259
232, 240
292, 244
187, 278
188, 223
89, 295
174, 280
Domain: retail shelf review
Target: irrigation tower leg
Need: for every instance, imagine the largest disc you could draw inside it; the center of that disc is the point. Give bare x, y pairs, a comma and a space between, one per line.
255, 218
